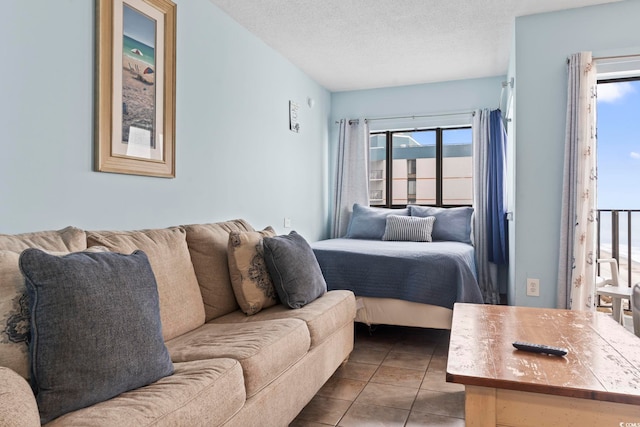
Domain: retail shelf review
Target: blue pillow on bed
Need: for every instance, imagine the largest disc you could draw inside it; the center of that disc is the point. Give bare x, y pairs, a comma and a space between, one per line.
452, 224
369, 223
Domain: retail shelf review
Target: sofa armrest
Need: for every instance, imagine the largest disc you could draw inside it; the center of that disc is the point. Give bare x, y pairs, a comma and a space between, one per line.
18, 405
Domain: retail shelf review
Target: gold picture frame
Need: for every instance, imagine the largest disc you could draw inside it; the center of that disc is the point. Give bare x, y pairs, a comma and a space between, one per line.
135, 87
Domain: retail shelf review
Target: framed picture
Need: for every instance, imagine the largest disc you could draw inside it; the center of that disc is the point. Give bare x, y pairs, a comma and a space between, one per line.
135, 87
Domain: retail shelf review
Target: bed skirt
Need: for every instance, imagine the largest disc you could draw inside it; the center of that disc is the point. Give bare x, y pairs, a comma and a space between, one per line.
389, 311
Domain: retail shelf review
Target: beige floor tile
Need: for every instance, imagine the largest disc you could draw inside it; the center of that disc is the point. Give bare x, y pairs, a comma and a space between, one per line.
396, 375
304, 423
442, 350
342, 388
415, 345
373, 345
440, 403
368, 355
420, 419
437, 381
407, 360
400, 377
360, 415
324, 410
387, 395
356, 371
438, 363
375, 342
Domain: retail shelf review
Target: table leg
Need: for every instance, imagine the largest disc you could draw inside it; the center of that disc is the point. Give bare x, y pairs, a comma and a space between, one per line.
480, 406
616, 305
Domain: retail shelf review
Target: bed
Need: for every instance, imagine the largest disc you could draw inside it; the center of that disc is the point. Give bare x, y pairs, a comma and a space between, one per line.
405, 283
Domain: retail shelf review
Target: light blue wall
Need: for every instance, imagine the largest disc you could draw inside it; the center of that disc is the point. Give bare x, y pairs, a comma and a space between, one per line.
510, 115
433, 98
235, 154
543, 43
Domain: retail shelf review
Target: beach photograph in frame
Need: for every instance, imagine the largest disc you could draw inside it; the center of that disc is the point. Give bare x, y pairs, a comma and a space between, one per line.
135, 93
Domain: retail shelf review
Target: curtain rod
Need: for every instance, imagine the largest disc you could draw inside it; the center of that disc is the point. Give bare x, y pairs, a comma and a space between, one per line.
599, 58
419, 116
602, 58
413, 117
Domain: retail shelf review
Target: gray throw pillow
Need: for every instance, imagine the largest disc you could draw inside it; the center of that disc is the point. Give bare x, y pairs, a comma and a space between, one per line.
95, 327
408, 228
452, 224
294, 269
369, 223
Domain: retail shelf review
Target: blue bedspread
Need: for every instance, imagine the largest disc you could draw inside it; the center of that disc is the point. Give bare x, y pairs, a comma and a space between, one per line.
437, 273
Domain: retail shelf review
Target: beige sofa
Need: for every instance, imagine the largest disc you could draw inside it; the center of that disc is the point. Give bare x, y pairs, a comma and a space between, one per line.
231, 369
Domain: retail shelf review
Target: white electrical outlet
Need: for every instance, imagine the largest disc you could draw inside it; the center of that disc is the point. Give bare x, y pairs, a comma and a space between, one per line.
287, 223
533, 287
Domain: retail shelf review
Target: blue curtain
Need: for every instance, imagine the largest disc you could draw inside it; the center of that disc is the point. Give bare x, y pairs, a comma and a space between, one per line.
498, 252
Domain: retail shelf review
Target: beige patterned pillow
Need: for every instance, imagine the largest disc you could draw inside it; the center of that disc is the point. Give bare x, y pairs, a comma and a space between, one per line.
249, 276
14, 315
15, 320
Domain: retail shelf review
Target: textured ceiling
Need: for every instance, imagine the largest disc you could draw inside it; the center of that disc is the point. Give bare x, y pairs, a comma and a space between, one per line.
361, 44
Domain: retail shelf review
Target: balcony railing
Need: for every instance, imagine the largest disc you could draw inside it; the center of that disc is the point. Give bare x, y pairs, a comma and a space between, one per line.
616, 226
376, 175
375, 195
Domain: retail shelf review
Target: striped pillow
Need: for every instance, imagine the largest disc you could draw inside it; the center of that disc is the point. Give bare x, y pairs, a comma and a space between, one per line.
409, 228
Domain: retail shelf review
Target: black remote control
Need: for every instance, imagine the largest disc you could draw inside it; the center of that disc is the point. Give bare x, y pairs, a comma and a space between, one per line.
540, 348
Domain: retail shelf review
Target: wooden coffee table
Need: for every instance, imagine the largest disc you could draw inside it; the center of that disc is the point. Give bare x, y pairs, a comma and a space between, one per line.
596, 384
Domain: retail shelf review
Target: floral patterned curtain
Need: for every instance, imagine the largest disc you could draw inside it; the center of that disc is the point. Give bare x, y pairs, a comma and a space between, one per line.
576, 270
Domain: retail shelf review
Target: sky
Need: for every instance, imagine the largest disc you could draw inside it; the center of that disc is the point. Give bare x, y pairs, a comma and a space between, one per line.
451, 136
139, 26
618, 122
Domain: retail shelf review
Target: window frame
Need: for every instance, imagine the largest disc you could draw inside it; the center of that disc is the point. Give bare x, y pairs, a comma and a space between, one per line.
388, 171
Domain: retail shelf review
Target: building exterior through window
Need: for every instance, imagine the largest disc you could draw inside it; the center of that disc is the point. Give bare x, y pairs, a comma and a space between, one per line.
426, 167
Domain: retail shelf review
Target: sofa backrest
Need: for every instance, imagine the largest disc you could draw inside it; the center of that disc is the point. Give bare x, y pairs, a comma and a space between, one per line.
69, 239
208, 248
181, 306
14, 307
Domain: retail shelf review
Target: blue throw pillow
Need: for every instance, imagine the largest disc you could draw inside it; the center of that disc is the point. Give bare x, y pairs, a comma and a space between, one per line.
452, 224
294, 269
95, 328
369, 223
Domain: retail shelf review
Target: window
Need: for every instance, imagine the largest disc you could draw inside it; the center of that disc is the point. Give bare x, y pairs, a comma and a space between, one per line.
618, 195
426, 167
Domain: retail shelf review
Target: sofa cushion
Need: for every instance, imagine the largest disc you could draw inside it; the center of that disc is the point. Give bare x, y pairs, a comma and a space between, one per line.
68, 239
199, 393
324, 316
251, 282
181, 306
264, 349
294, 269
19, 407
208, 248
95, 329
14, 303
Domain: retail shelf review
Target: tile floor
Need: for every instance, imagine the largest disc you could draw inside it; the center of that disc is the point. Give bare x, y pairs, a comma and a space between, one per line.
394, 377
